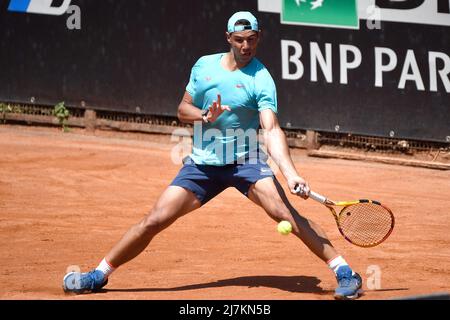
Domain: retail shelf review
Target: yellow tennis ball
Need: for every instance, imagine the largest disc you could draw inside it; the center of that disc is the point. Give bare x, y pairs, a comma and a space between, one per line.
284, 227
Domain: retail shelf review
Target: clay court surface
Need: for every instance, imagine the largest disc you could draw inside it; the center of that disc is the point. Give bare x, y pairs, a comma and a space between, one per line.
65, 199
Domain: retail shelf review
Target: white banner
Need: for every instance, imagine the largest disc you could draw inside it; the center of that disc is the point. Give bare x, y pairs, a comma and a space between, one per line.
426, 13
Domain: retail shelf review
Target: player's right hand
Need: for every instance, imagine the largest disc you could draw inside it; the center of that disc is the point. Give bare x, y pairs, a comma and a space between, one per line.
299, 186
216, 109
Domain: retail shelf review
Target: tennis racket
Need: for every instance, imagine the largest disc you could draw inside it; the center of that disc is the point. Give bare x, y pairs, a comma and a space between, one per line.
364, 223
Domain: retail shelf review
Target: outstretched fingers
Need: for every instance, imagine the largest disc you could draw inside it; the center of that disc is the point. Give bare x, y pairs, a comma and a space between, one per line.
220, 106
216, 109
213, 108
227, 108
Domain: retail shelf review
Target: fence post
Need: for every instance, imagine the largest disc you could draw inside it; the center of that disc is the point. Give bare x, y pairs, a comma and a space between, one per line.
311, 140
90, 119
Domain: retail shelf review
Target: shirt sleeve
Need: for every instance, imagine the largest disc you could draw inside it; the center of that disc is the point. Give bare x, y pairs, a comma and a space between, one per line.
191, 87
265, 90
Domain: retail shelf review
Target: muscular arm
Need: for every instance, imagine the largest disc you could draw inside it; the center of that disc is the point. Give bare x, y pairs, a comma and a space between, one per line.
187, 112
278, 149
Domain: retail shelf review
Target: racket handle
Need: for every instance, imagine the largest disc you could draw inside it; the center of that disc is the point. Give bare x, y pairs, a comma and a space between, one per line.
318, 197
313, 195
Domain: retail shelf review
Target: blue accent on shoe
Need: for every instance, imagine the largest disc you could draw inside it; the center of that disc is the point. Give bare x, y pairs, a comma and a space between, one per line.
77, 282
349, 284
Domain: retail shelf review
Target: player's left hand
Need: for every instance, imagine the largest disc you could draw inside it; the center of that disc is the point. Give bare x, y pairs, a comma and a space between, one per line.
299, 186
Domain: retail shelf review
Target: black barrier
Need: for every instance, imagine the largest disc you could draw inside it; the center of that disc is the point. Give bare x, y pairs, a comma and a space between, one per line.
135, 56
128, 56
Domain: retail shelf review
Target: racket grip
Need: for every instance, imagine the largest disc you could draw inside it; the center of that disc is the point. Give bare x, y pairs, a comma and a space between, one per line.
313, 195
317, 197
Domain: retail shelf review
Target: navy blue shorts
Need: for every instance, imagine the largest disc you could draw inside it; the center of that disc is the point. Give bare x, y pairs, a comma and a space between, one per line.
207, 181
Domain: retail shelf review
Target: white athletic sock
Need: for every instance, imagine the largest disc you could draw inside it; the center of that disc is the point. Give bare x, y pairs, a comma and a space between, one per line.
337, 262
106, 268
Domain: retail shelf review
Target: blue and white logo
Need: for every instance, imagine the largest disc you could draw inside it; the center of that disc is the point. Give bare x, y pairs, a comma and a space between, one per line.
38, 6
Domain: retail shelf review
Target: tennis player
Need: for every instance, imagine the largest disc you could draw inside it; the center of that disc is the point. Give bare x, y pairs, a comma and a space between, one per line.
228, 97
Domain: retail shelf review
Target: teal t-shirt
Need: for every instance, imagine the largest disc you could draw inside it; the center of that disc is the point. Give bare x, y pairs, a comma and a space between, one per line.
234, 135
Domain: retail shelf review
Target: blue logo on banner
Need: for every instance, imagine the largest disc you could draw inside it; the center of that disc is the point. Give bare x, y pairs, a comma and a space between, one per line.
38, 6
19, 5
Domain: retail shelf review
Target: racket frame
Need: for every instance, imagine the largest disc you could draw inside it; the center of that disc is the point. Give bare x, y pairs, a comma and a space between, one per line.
344, 204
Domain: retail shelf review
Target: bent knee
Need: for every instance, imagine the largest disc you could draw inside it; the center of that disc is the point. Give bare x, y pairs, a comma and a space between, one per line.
153, 223
281, 214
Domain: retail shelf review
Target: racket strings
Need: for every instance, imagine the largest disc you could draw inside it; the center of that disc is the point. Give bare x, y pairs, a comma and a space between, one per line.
366, 224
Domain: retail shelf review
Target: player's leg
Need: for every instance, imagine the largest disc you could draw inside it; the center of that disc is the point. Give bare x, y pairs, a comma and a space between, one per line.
269, 194
174, 202
194, 186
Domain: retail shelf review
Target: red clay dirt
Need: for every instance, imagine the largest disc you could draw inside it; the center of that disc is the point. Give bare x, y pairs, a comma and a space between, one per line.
66, 198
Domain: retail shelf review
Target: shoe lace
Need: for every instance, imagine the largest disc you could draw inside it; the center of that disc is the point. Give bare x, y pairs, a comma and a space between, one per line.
345, 279
89, 282
93, 279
